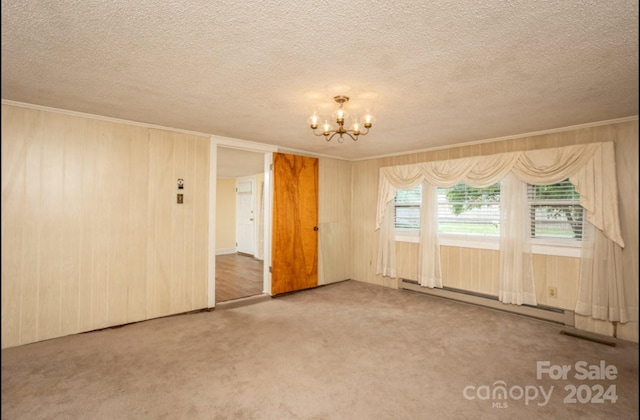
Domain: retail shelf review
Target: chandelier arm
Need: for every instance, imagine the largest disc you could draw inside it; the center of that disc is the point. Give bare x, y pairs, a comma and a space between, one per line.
352, 136
329, 137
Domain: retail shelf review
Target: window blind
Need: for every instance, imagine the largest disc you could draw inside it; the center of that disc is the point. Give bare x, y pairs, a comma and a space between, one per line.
555, 211
407, 208
468, 210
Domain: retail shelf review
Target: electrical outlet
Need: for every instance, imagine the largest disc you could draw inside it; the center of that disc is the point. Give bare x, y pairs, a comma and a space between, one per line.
553, 292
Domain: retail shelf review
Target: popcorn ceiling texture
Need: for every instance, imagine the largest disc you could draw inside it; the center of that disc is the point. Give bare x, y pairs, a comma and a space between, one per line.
434, 73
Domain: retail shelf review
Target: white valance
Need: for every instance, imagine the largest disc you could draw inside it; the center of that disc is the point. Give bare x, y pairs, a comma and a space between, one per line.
589, 167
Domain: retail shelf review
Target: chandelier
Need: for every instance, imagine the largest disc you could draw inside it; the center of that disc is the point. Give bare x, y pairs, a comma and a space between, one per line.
329, 131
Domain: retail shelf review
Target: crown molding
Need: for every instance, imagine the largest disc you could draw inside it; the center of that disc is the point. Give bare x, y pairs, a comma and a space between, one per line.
102, 118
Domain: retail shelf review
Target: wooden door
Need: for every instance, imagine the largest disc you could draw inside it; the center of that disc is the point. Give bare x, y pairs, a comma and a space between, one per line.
294, 254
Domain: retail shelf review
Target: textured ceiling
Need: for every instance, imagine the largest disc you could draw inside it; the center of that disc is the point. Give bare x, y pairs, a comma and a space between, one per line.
434, 73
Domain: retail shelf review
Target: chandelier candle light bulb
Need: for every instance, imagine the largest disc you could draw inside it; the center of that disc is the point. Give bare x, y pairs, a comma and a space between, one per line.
313, 121
326, 128
368, 120
329, 133
356, 127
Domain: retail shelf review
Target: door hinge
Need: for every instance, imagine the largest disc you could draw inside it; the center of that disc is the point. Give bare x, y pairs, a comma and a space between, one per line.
270, 269
271, 166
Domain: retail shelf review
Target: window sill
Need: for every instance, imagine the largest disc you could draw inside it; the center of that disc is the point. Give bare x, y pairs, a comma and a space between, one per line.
538, 246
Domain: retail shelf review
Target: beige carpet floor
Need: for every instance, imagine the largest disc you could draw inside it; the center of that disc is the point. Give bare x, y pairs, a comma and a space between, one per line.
345, 351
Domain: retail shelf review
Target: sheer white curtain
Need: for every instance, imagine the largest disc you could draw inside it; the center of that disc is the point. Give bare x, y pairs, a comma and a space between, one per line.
601, 260
387, 243
391, 179
516, 284
429, 272
589, 167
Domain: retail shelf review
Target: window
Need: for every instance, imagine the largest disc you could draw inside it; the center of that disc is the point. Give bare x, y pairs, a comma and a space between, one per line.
556, 212
466, 210
461, 209
407, 208
470, 217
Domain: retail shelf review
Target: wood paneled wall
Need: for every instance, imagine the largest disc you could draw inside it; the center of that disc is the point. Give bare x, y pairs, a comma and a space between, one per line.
475, 269
334, 218
92, 235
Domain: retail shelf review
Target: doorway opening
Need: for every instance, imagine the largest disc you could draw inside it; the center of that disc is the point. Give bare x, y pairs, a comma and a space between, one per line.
240, 224
238, 276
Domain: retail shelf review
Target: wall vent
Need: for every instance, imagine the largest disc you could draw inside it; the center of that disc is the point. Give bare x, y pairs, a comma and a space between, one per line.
588, 337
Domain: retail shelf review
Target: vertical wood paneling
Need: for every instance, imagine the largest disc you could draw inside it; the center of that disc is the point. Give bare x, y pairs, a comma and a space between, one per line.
138, 207
177, 277
100, 217
552, 264
84, 243
584, 135
90, 229
628, 177
87, 133
189, 170
450, 273
50, 232
201, 224
334, 217
562, 272
118, 176
14, 149
593, 325
162, 208
407, 260
71, 231
488, 149
540, 277
465, 269
473, 263
567, 278
488, 272
30, 220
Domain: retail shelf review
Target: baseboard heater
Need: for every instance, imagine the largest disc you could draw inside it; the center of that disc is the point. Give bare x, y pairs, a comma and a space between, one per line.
546, 313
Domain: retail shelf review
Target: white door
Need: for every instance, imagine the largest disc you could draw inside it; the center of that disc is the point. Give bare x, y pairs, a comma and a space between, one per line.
245, 215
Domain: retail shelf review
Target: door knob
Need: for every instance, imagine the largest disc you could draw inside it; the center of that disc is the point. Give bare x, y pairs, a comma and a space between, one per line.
315, 228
